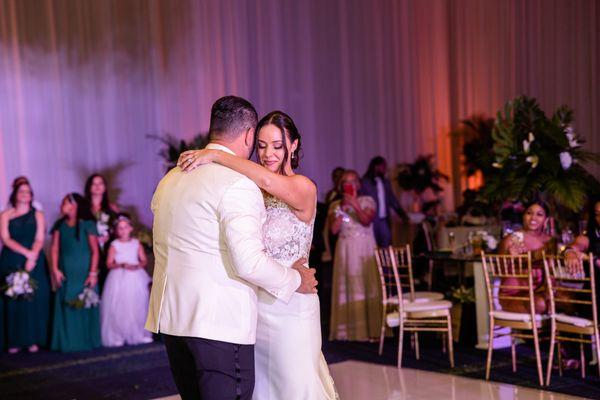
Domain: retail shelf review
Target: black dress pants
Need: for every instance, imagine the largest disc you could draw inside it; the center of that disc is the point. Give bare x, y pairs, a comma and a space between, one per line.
206, 369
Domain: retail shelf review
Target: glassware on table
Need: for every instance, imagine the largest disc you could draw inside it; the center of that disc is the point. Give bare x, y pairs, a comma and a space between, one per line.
476, 244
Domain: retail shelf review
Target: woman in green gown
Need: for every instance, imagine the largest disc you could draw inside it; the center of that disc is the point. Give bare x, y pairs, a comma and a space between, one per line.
74, 266
24, 322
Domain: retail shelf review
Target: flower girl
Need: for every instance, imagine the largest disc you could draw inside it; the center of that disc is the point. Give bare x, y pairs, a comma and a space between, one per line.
125, 297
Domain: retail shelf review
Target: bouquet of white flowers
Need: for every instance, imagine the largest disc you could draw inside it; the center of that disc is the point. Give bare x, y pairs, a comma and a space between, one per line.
19, 284
86, 299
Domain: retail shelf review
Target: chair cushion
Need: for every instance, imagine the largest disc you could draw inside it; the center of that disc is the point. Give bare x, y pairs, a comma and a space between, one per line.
577, 321
423, 296
393, 318
427, 306
514, 316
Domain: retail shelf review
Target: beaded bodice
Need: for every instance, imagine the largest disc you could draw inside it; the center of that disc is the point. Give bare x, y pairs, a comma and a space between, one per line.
286, 237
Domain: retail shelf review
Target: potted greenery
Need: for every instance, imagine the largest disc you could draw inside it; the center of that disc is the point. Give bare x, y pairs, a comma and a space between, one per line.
173, 147
464, 327
424, 181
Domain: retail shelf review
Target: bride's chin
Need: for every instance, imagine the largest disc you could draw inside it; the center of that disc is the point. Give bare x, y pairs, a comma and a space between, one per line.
271, 167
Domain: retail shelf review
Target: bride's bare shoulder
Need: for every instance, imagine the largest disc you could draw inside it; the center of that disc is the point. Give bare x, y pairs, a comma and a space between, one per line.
305, 183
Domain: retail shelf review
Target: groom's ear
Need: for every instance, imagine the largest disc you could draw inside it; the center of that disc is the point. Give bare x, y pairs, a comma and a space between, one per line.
249, 139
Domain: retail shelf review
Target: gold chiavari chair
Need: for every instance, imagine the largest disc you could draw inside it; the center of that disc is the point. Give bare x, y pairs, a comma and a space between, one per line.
497, 269
430, 242
403, 258
571, 289
431, 316
390, 282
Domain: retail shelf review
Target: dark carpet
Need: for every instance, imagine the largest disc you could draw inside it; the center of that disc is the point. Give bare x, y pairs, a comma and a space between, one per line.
142, 372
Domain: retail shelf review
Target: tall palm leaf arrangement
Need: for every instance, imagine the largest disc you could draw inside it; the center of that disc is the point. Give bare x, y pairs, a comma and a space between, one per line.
174, 146
420, 175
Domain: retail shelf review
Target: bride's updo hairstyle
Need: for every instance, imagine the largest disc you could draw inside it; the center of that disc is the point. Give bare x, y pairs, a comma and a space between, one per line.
287, 127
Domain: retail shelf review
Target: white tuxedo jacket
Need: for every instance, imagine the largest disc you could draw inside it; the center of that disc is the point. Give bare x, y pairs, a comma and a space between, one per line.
209, 256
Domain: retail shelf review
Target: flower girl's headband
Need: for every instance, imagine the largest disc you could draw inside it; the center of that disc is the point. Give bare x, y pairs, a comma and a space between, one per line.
123, 217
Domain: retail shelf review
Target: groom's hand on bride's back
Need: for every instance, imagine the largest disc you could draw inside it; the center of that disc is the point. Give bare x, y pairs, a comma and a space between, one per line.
308, 283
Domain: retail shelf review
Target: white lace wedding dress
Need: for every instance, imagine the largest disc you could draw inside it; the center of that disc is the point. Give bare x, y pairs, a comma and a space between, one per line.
288, 358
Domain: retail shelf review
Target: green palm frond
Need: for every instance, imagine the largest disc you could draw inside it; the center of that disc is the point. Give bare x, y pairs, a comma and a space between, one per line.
174, 146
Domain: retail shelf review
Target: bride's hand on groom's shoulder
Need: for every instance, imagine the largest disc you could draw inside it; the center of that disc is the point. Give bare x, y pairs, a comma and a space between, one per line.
191, 159
308, 283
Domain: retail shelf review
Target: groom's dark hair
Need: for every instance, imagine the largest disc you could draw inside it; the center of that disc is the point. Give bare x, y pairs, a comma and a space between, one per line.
231, 116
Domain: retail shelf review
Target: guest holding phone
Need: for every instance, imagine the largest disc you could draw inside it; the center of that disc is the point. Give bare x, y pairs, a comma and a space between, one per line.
356, 298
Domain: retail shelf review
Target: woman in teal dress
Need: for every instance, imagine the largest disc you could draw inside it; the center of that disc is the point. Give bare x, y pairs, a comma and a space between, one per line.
24, 322
74, 266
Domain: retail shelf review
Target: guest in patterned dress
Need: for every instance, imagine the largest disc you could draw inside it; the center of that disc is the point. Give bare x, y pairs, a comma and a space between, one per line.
356, 299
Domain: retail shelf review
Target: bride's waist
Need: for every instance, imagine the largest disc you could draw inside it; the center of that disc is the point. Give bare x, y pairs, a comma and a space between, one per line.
299, 303
289, 261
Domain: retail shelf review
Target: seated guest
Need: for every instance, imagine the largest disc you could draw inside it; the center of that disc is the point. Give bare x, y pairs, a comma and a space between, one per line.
587, 243
125, 297
22, 227
375, 184
74, 267
531, 238
356, 294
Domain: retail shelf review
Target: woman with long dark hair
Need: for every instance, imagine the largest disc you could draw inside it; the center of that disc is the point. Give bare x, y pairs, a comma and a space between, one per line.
104, 212
22, 230
532, 238
74, 267
288, 336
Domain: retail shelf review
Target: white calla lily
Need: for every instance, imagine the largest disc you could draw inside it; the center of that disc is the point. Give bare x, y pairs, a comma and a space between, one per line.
566, 160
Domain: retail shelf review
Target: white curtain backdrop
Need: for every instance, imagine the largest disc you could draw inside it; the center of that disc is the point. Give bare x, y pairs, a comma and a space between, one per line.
82, 82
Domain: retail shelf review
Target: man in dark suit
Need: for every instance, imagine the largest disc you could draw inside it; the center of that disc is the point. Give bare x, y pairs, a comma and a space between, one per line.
375, 184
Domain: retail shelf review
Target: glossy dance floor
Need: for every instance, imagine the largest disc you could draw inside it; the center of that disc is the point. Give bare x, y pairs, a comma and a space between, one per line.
357, 380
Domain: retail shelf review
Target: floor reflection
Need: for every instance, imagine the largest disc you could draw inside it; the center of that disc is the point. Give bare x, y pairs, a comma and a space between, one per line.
357, 380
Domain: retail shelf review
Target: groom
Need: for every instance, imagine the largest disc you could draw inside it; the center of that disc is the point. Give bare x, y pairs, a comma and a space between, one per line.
210, 260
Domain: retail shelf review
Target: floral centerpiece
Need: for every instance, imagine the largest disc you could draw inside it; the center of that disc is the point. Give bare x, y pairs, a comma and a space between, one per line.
485, 240
534, 155
19, 285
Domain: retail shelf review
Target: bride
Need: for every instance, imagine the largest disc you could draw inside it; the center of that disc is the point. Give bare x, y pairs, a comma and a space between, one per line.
288, 359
